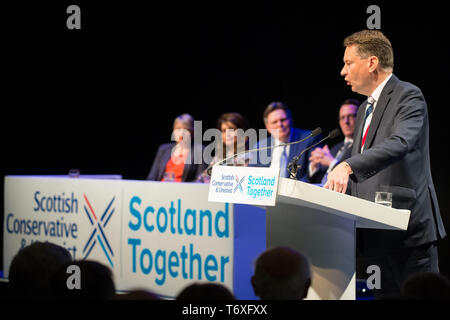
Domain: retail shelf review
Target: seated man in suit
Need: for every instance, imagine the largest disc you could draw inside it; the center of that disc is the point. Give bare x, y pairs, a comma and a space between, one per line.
279, 123
323, 160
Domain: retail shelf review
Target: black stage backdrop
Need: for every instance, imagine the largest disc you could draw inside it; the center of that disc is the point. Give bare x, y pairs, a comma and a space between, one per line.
101, 99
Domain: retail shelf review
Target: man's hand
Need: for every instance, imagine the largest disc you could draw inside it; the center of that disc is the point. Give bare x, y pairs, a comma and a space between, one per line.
321, 156
338, 178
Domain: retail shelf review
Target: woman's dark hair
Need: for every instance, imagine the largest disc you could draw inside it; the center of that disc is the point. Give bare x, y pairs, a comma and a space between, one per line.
237, 120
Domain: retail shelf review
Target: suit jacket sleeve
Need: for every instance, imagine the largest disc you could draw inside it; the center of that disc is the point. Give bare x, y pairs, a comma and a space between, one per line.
193, 170
409, 119
318, 174
154, 173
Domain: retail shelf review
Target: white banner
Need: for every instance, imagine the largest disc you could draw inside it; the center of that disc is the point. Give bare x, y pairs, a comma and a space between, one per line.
159, 236
247, 185
68, 212
172, 236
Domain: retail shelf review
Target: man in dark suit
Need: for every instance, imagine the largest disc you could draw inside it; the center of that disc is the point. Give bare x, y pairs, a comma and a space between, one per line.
390, 153
323, 160
278, 121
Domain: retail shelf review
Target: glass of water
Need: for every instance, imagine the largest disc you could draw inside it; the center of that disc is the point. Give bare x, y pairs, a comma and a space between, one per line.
169, 177
74, 173
383, 198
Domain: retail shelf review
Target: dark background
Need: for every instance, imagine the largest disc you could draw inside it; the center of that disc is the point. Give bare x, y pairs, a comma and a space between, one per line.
103, 98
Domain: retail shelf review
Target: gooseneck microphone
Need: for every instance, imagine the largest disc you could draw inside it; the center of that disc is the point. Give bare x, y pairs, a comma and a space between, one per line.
313, 133
293, 165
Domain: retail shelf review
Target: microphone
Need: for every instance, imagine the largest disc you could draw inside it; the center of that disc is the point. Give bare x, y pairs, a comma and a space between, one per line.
313, 133
293, 165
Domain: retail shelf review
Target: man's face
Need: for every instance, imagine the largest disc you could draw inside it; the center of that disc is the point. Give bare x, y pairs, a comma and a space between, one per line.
356, 71
347, 116
279, 125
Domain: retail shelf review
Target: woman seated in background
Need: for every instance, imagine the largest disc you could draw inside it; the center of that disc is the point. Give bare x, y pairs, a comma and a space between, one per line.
174, 162
231, 143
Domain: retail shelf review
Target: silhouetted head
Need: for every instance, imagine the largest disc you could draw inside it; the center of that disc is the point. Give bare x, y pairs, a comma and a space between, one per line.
32, 267
427, 285
205, 291
281, 273
138, 294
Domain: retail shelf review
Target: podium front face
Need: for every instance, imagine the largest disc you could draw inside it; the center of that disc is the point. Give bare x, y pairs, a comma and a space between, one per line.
327, 240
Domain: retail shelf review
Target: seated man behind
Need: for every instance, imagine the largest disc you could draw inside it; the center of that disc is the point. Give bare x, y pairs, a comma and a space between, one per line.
323, 160
279, 123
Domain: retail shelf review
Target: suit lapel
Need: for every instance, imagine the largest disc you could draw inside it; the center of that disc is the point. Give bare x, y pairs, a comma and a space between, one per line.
188, 165
382, 103
164, 159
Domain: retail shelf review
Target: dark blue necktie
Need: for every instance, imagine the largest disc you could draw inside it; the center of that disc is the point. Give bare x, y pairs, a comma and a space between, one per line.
369, 110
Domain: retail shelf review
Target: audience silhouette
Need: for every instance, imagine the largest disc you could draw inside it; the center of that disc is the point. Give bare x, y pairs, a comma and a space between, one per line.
41, 271
32, 267
138, 294
281, 273
426, 286
205, 291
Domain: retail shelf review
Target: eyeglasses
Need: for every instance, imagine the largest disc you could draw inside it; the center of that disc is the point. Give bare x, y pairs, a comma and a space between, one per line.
350, 116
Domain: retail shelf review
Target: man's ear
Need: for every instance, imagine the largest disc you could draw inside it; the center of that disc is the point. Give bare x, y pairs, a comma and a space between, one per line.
373, 63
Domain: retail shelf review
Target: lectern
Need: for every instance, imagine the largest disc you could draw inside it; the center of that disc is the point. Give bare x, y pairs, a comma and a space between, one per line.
321, 224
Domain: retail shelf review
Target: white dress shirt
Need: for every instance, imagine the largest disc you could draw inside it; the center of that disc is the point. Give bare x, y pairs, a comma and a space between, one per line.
376, 96
277, 152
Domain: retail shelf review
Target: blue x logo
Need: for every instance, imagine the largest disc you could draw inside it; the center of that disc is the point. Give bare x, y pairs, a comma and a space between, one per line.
98, 234
239, 184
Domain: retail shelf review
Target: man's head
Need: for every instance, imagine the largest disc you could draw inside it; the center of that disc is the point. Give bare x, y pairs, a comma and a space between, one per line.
278, 120
281, 273
426, 285
347, 117
368, 59
33, 266
205, 291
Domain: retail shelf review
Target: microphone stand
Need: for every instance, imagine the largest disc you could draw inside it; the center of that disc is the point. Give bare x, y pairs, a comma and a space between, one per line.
293, 165
314, 133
